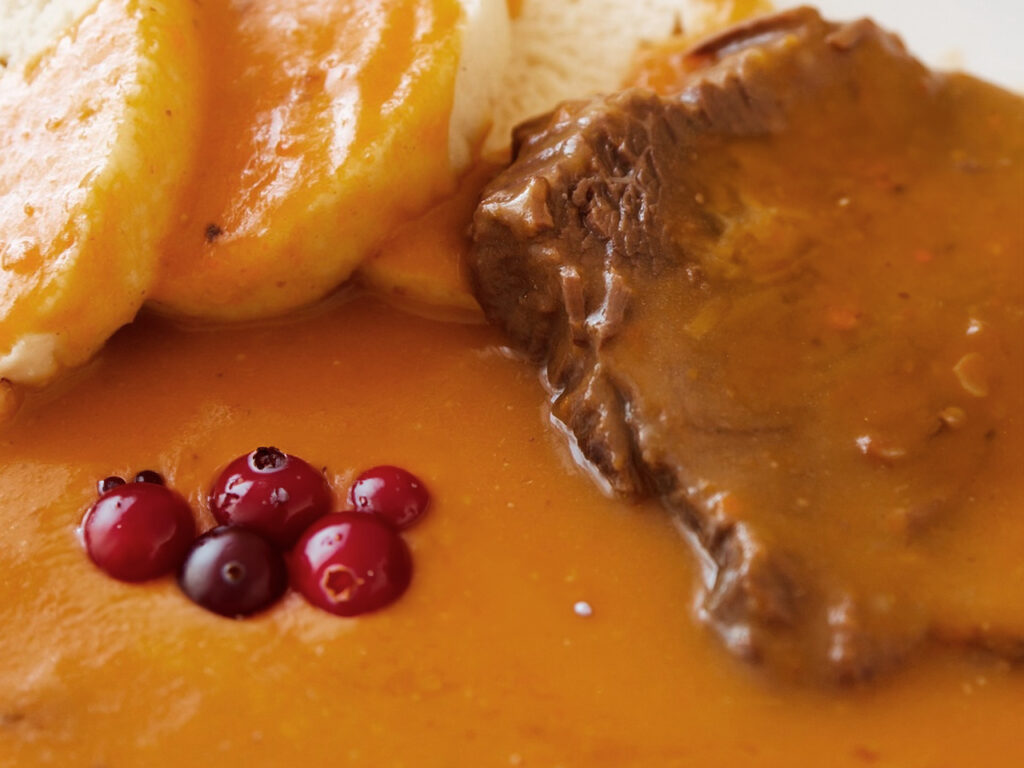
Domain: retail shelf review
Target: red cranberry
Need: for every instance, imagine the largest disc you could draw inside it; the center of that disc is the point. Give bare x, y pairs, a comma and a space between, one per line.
149, 476
234, 572
138, 531
350, 563
271, 492
108, 484
390, 492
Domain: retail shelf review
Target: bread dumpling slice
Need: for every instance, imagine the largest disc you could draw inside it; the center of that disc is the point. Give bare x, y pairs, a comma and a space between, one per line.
97, 126
328, 123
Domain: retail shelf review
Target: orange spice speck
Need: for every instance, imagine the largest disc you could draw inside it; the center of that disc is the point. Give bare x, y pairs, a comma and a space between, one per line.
842, 318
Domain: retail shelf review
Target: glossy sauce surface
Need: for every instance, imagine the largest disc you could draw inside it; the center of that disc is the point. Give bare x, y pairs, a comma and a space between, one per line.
863, 346
483, 662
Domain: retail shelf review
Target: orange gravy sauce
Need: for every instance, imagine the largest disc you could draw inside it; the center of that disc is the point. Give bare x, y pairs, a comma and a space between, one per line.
866, 336
482, 663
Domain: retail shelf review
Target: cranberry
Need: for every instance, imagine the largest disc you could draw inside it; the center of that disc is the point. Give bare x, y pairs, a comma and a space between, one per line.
108, 484
234, 572
149, 476
138, 531
271, 492
391, 492
350, 563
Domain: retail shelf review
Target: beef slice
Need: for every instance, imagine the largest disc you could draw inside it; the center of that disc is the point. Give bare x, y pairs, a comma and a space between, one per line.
787, 298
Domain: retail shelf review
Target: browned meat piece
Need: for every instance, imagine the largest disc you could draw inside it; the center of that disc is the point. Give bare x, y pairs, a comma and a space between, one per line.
788, 299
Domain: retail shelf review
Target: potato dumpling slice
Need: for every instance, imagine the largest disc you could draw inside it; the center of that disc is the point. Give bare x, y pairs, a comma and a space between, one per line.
95, 133
328, 125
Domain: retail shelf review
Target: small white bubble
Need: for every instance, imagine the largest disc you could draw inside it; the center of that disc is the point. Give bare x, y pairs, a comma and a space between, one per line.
583, 608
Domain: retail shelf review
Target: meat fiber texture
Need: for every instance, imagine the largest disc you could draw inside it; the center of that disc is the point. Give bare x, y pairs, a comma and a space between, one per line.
647, 250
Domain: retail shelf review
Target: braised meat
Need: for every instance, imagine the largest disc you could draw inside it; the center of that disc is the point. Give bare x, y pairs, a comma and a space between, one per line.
787, 297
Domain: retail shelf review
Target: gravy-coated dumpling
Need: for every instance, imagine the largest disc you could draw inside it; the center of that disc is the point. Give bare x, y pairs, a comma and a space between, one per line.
95, 134
328, 122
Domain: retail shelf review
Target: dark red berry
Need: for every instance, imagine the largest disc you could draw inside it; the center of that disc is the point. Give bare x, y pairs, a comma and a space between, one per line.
149, 476
234, 572
350, 563
138, 531
390, 492
108, 484
271, 492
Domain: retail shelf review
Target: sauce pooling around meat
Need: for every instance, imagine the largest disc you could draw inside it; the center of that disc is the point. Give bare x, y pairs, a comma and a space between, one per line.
471, 665
788, 297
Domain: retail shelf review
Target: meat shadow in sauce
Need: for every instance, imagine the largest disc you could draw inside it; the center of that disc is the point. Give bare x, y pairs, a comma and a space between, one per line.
787, 297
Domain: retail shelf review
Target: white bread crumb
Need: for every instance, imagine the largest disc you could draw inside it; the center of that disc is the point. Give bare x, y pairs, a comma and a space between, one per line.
571, 49
29, 27
32, 360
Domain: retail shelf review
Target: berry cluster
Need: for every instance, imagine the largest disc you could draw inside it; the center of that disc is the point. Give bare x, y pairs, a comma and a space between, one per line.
275, 526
